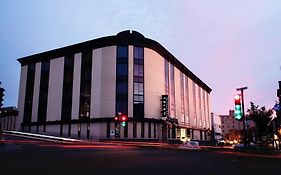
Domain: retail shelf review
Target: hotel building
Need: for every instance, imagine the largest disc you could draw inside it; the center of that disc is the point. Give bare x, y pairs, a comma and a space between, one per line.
76, 91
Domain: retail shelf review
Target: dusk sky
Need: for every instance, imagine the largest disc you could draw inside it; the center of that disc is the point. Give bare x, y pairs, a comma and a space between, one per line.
227, 44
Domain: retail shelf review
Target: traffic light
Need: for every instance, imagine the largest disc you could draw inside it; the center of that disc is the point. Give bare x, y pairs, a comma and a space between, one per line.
121, 118
165, 105
124, 120
279, 92
1, 96
117, 126
238, 109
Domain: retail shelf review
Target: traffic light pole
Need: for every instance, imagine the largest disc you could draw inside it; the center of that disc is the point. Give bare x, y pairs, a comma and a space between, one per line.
244, 118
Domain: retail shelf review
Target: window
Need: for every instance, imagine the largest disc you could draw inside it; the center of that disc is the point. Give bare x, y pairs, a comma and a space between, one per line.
182, 97
85, 84
122, 69
108, 130
187, 99
29, 94
154, 130
204, 105
43, 92
122, 52
142, 129
126, 130
149, 130
172, 99
134, 130
199, 103
122, 80
122, 88
194, 99
138, 88
138, 70
138, 83
67, 88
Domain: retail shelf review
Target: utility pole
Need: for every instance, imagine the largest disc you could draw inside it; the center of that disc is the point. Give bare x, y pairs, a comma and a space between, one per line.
279, 92
244, 117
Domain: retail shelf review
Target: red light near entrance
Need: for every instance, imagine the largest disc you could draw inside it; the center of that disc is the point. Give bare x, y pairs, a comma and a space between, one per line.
124, 118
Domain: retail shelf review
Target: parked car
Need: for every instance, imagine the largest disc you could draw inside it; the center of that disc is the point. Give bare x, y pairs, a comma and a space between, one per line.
221, 143
238, 146
190, 145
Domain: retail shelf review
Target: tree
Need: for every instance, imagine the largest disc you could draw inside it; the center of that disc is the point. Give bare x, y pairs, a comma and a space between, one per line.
263, 124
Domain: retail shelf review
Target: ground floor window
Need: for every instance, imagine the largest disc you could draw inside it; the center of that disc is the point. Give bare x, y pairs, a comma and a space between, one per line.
149, 130
126, 130
134, 130
108, 130
154, 130
142, 129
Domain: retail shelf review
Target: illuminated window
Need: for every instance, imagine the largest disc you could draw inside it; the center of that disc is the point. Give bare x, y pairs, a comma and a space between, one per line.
138, 82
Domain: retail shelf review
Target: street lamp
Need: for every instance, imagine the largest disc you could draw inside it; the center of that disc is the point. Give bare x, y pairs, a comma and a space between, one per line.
243, 115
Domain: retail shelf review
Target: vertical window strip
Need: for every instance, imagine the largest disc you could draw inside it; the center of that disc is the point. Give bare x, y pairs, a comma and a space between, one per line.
67, 88
155, 130
134, 130
138, 83
172, 99
43, 91
207, 98
204, 108
142, 129
149, 130
85, 85
182, 97
200, 106
194, 103
187, 99
29, 93
166, 73
122, 80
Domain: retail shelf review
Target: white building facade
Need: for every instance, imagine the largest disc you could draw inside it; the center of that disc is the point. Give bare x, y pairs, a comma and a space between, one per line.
216, 126
76, 91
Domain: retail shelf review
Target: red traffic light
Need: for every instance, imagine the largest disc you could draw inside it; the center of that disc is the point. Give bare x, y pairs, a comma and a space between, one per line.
116, 118
123, 118
237, 99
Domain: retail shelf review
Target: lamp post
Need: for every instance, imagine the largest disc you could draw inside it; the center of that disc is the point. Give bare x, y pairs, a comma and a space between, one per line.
243, 116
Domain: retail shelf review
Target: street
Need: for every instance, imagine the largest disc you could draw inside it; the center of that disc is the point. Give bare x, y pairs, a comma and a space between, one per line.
27, 156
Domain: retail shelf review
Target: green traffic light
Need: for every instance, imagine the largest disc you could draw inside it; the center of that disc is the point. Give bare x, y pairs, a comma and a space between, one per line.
238, 112
123, 124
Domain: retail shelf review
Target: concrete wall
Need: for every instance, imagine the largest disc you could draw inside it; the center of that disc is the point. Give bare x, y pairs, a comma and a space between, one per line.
108, 82
131, 82
103, 82
55, 89
96, 84
36, 92
76, 86
154, 83
21, 98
